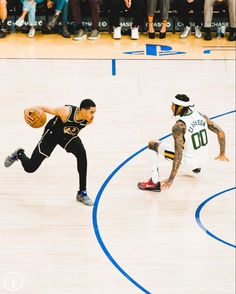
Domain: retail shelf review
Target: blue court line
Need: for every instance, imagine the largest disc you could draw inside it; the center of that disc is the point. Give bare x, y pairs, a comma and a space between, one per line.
95, 209
223, 114
113, 66
120, 59
197, 217
139, 52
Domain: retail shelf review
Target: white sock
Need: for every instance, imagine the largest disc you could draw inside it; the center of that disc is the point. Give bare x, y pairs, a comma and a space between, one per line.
153, 159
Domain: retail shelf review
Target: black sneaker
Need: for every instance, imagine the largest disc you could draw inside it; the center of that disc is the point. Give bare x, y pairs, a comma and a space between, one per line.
196, 170
3, 32
64, 32
232, 34
53, 22
207, 35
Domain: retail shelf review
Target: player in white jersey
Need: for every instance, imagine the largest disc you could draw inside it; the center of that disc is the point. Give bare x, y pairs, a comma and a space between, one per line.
190, 134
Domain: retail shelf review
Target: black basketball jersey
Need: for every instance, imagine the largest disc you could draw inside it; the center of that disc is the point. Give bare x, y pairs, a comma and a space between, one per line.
70, 127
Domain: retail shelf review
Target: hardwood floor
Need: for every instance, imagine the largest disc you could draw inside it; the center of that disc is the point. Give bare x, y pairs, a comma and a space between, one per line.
131, 241
18, 45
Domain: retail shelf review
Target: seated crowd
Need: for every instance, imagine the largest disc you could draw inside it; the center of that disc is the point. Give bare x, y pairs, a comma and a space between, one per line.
189, 12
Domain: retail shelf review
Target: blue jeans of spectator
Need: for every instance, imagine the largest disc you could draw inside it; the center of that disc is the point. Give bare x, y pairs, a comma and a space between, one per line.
30, 6
63, 7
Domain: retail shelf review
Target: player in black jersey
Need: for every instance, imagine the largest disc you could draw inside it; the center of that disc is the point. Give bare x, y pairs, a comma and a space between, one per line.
63, 130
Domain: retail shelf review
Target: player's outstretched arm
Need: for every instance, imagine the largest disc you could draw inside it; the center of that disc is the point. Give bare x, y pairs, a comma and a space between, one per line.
178, 132
62, 111
212, 126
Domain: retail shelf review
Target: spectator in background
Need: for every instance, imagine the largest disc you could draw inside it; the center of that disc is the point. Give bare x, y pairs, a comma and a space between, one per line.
184, 7
5, 7
208, 13
3, 18
29, 6
94, 6
164, 6
61, 8
136, 6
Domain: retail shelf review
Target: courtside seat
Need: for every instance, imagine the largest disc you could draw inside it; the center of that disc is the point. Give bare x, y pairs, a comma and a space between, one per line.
43, 14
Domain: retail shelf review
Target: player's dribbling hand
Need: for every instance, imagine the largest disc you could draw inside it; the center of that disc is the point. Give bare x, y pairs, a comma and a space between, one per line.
27, 116
165, 185
222, 158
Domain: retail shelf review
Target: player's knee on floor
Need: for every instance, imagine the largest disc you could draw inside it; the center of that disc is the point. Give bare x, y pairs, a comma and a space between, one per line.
153, 145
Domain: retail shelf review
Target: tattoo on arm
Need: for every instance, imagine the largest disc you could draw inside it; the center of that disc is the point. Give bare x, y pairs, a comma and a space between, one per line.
212, 126
178, 132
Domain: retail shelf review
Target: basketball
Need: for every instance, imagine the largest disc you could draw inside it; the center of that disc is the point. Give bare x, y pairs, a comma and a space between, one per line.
39, 118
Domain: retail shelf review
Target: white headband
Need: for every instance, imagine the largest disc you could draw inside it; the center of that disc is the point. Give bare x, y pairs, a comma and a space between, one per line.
181, 103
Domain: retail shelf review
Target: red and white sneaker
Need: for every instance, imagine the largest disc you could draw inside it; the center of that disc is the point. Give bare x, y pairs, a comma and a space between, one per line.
150, 186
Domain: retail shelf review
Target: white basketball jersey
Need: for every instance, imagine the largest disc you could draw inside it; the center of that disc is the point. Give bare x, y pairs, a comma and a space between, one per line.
196, 140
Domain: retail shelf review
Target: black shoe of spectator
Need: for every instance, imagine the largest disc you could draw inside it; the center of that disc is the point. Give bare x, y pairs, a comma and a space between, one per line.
45, 29
24, 29
2, 34
53, 22
207, 35
151, 35
232, 34
3, 29
65, 33
126, 32
162, 35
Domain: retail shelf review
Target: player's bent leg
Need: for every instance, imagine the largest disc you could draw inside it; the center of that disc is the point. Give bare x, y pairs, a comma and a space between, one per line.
154, 183
154, 145
43, 150
13, 157
30, 165
76, 147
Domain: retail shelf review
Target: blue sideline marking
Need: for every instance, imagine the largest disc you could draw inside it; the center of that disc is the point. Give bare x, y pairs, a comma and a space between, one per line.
140, 52
95, 209
113, 67
197, 217
207, 51
151, 49
165, 53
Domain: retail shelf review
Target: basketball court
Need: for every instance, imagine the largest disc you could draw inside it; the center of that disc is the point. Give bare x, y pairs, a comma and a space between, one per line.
178, 241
